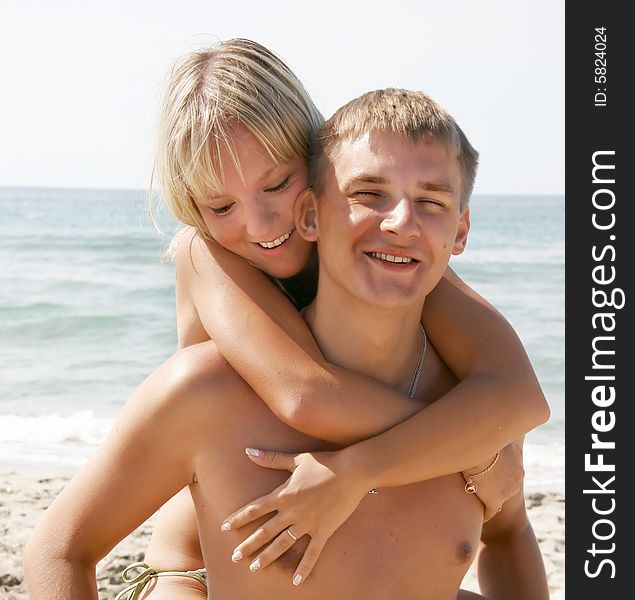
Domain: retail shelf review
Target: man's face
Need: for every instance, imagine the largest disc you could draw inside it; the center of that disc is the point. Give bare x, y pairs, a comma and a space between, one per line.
389, 218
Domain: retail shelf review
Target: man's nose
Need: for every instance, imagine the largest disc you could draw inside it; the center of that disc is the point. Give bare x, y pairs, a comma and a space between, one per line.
401, 219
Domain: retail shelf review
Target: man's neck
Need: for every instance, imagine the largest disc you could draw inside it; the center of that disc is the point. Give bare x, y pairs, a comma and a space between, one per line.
382, 343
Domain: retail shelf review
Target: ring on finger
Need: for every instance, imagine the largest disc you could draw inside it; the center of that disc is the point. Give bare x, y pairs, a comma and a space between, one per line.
288, 530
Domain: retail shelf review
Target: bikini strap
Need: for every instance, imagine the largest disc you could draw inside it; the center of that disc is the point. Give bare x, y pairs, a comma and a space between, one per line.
138, 582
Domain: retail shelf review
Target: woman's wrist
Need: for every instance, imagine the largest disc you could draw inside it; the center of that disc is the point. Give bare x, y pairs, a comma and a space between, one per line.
352, 462
479, 467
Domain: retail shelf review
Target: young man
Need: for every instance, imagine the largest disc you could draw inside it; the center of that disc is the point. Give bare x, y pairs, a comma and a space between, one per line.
390, 207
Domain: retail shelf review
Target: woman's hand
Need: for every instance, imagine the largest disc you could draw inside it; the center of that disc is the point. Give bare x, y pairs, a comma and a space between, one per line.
320, 495
502, 482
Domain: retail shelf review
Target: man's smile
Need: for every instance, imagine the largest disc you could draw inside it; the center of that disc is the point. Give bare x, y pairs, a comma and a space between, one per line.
391, 257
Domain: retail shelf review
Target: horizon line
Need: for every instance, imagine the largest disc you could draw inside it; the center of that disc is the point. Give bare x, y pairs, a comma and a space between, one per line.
146, 190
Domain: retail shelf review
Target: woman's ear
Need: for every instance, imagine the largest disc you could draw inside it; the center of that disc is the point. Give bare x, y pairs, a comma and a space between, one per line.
460, 240
305, 215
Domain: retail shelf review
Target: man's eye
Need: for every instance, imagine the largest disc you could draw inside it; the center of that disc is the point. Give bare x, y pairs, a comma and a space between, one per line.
429, 201
222, 210
366, 193
278, 188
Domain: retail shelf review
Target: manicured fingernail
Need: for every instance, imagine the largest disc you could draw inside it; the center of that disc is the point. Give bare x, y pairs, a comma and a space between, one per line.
237, 555
254, 566
297, 579
253, 452
225, 526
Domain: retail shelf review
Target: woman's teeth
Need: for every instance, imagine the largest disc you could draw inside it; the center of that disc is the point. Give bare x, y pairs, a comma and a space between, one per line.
277, 242
390, 257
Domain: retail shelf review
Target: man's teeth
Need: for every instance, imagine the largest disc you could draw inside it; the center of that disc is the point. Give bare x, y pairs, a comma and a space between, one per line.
390, 257
277, 242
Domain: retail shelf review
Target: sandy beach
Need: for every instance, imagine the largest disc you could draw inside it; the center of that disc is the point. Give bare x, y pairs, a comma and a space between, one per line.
24, 496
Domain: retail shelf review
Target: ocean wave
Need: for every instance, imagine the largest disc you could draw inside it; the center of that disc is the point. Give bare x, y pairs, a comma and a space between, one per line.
68, 325
30, 308
81, 428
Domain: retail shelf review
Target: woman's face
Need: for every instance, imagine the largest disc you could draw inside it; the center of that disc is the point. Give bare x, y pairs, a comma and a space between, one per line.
252, 214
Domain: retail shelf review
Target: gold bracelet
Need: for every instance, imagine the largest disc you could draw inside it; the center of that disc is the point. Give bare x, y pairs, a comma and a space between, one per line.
470, 486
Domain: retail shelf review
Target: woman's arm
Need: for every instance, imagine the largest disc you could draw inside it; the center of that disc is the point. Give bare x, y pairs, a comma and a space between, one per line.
264, 339
189, 328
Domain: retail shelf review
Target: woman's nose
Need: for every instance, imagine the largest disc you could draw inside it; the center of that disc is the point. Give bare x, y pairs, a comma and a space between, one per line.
259, 220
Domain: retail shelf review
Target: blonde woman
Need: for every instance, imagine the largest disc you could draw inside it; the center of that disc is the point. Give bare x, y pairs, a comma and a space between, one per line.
235, 135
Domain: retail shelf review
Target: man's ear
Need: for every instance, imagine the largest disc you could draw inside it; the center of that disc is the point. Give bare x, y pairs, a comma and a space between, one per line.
460, 240
305, 215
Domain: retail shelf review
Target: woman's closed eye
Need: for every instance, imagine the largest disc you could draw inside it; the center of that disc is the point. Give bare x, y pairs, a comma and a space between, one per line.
281, 186
221, 210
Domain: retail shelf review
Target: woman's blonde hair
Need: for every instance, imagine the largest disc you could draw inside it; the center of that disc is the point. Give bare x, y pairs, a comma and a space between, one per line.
209, 91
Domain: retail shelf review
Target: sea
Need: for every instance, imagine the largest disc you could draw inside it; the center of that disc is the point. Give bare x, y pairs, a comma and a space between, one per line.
87, 312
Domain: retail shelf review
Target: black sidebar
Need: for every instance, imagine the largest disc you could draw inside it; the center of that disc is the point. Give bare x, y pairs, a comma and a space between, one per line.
600, 269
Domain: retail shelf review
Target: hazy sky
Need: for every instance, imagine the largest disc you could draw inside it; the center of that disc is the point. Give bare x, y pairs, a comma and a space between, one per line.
81, 80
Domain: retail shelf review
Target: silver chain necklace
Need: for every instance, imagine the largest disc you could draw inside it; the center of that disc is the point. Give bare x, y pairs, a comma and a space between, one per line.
417, 375
422, 355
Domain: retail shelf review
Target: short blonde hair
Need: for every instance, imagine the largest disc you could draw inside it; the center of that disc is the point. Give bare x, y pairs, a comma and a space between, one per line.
405, 112
209, 91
